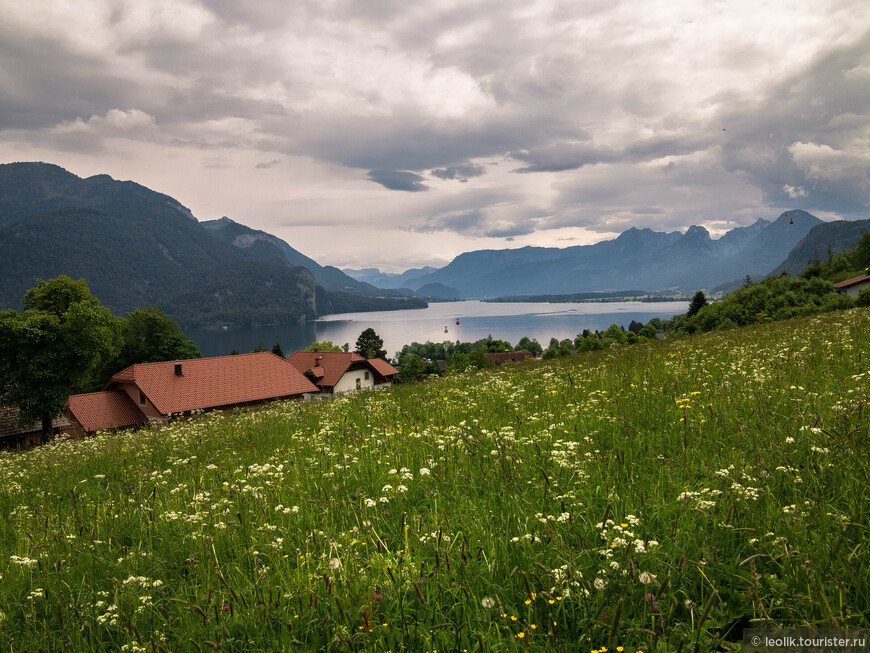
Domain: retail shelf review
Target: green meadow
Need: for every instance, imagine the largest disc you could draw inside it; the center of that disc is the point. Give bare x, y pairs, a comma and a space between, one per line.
658, 497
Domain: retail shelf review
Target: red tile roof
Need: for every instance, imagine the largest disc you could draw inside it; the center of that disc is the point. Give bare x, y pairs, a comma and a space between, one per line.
383, 368
508, 356
109, 409
216, 382
853, 281
327, 366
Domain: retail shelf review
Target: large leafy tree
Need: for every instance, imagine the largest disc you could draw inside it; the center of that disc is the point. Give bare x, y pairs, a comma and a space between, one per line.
53, 347
149, 335
531, 346
370, 345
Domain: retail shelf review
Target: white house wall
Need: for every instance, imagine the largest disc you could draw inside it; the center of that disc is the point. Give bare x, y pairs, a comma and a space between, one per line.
855, 290
347, 383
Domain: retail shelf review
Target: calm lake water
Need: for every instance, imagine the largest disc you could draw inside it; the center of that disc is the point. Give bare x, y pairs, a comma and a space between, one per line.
477, 320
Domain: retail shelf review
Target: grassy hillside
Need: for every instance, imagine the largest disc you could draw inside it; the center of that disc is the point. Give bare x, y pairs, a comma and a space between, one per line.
660, 497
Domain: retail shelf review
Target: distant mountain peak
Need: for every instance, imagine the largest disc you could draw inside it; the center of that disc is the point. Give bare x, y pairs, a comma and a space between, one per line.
697, 230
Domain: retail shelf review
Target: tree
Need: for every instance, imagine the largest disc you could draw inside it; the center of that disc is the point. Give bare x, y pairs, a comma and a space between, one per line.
323, 345
861, 253
276, 349
459, 362
613, 336
558, 348
149, 335
370, 345
698, 302
531, 346
478, 360
648, 331
411, 370
53, 348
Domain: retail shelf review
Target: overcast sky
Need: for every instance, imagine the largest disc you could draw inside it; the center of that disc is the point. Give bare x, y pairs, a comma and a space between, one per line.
394, 133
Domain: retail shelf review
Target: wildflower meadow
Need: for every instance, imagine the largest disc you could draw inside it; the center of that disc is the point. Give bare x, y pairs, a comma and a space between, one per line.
660, 497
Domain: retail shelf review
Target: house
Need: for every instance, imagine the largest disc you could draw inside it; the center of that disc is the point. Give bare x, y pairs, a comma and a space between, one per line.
153, 391
13, 436
508, 357
335, 372
853, 287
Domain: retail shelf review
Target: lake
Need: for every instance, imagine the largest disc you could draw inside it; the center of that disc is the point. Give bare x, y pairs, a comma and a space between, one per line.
503, 321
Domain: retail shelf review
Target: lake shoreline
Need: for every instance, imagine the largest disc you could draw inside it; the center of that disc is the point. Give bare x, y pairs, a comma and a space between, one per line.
438, 322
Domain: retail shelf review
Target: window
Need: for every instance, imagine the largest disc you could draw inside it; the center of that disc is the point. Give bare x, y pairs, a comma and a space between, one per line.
358, 383
367, 376
143, 400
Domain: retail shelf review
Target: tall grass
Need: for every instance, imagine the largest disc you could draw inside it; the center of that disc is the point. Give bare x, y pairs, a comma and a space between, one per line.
656, 497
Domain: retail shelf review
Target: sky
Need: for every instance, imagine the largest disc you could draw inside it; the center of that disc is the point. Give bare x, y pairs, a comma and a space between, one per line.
397, 134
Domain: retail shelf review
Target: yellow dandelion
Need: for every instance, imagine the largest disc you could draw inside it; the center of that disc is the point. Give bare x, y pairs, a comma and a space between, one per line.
521, 634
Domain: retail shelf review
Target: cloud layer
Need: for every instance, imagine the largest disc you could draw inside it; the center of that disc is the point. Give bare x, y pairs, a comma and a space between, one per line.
395, 134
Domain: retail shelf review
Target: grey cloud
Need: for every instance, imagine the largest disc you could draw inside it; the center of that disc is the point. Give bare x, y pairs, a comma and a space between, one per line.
53, 85
482, 215
267, 164
459, 222
818, 105
558, 157
461, 173
560, 92
398, 180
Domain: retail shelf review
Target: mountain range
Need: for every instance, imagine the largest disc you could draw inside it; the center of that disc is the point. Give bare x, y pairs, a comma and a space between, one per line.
380, 279
823, 241
637, 258
136, 247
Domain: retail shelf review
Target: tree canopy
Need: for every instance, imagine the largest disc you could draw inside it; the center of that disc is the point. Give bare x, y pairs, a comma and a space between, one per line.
323, 345
148, 335
698, 302
52, 348
370, 345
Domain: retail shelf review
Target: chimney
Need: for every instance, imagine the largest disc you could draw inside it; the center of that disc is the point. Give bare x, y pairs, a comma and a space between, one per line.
317, 360
178, 369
